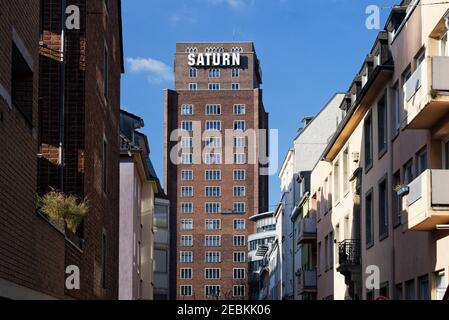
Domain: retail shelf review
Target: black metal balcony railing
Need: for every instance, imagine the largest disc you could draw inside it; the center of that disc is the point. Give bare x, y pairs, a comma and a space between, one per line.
349, 252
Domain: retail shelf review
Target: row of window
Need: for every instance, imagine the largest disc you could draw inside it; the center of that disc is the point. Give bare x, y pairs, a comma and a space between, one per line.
212, 192
213, 257
212, 273
213, 158
212, 109
213, 86
214, 73
214, 208
213, 224
209, 241
213, 142
214, 125
212, 290
213, 175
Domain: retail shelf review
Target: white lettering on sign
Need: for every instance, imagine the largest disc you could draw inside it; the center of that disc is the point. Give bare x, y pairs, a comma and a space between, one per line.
214, 59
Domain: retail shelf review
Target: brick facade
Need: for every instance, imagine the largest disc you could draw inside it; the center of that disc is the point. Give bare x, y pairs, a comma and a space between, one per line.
36, 254
255, 199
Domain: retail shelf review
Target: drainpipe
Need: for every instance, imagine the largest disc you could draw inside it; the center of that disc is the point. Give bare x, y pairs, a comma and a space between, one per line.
62, 72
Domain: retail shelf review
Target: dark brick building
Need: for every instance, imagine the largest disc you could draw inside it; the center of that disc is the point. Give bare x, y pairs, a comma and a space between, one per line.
64, 131
214, 191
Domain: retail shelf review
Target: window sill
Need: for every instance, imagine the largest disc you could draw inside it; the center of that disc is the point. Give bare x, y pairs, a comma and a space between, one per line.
382, 153
369, 245
383, 236
368, 168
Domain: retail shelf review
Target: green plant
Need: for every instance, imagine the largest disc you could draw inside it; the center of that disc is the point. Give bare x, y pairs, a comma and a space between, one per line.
63, 210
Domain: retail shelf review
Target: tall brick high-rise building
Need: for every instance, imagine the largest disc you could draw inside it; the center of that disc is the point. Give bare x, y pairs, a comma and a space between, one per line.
216, 181
60, 106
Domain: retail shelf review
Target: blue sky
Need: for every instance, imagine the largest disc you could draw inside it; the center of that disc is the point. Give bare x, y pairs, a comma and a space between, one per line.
309, 49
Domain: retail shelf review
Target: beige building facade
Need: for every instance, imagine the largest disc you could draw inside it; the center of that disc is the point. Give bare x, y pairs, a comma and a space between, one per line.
382, 209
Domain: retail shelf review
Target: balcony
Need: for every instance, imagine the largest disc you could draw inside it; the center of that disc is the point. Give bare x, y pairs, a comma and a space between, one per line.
348, 254
428, 201
307, 230
307, 281
426, 94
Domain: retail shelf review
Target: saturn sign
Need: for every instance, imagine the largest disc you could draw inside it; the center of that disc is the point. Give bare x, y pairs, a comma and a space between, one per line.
214, 59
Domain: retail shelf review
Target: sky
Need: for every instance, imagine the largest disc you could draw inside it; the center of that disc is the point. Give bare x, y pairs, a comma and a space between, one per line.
309, 50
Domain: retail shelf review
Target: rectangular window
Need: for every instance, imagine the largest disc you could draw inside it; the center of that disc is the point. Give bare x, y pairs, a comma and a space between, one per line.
213, 207
212, 158
239, 109
186, 291
396, 109
187, 110
186, 273
213, 109
213, 142
331, 250
337, 182
239, 125
187, 224
186, 257
235, 86
22, 85
326, 253
186, 175
186, 207
424, 292
214, 86
212, 224
239, 273
383, 209
239, 158
213, 125
187, 158
238, 241
238, 291
239, 224
397, 200
193, 86
104, 173
239, 192
212, 273
235, 72
382, 125
212, 192
214, 73
212, 175
368, 131
212, 291
410, 290
421, 161
106, 71
239, 142
346, 171
212, 241
239, 257
212, 257
239, 207
440, 285
408, 172
369, 225
186, 241
239, 175
187, 192
193, 72
187, 142
187, 125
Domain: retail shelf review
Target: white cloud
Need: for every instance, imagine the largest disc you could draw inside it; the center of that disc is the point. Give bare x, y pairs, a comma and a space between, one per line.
157, 70
235, 4
177, 18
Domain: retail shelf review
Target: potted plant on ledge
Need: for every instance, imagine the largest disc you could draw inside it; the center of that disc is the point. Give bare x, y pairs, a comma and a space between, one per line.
65, 212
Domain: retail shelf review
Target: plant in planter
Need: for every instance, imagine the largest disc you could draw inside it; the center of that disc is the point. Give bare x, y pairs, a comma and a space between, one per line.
63, 210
